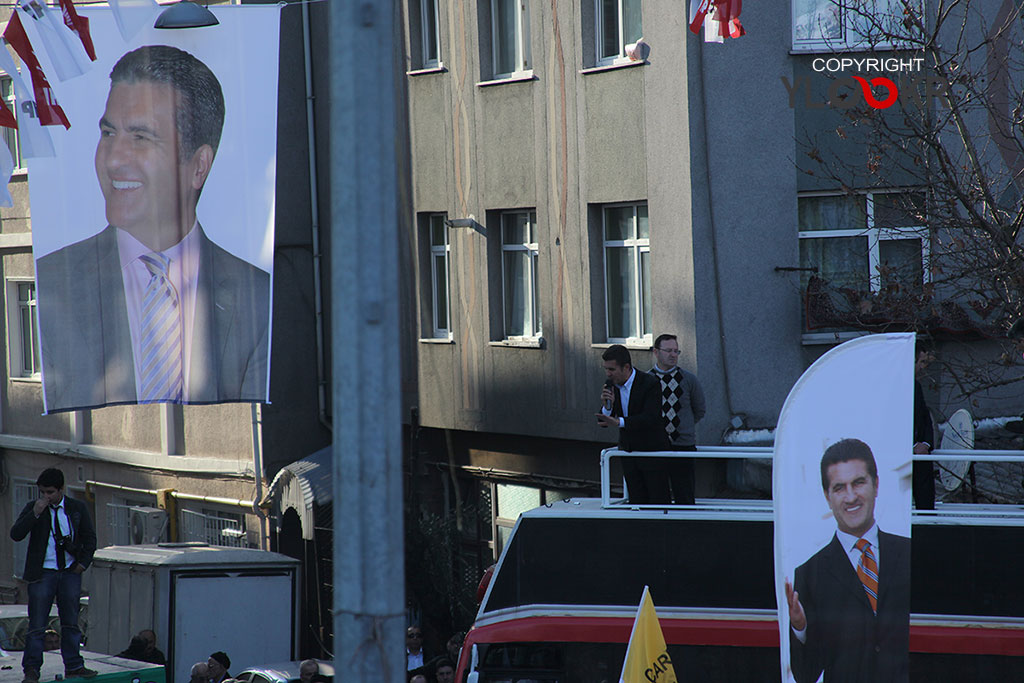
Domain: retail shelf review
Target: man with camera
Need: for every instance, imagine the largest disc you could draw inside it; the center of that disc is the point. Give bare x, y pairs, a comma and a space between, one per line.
60, 548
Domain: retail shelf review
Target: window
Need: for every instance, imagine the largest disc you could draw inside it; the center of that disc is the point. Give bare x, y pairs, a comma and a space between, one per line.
841, 24
510, 37
627, 274
867, 242
429, 37
439, 251
24, 492
11, 134
618, 25
519, 274
22, 328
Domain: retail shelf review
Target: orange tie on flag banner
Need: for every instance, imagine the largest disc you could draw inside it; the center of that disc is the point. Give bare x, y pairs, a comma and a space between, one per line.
647, 658
48, 111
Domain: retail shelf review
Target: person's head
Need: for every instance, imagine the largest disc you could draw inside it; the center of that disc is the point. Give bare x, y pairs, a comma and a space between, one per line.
51, 485
418, 678
666, 351
218, 663
158, 136
149, 637
445, 672
414, 638
849, 479
51, 640
454, 645
307, 669
618, 365
200, 673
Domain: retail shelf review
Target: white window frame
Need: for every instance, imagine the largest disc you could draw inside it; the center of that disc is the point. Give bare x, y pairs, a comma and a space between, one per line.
15, 332
533, 324
427, 40
640, 246
620, 58
874, 236
435, 296
11, 134
849, 37
521, 40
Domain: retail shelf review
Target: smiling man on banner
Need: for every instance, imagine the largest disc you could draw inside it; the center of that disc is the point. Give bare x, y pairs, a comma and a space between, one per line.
149, 309
850, 608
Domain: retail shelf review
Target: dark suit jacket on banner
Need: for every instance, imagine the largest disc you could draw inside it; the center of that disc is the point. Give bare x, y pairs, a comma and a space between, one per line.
86, 341
82, 531
844, 637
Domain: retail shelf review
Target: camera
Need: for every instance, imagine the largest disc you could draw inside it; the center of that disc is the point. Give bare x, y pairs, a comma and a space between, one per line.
67, 544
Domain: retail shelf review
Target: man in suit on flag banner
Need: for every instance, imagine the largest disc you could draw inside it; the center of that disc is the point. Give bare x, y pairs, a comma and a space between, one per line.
647, 656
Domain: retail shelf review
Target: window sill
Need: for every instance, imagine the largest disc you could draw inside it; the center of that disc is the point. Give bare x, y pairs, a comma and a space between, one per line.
437, 340
514, 78
634, 344
36, 379
624, 64
439, 69
839, 48
531, 343
829, 338
19, 172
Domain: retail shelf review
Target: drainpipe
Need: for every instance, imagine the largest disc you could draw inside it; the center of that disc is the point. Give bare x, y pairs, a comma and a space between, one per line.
314, 208
257, 465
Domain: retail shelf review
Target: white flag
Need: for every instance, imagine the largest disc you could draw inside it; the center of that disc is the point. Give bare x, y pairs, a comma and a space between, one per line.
132, 15
46, 30
35, 140
6, 169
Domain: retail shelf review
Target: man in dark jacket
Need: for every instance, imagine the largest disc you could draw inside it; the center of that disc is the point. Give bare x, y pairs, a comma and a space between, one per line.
632, 402
61, 544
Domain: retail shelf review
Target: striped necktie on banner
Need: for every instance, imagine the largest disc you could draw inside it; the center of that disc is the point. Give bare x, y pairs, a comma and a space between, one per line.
160, 339
867, 571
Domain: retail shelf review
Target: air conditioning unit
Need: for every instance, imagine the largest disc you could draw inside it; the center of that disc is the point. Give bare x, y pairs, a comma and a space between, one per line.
148, 525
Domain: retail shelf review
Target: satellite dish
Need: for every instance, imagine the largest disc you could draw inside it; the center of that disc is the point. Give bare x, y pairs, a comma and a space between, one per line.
958, 435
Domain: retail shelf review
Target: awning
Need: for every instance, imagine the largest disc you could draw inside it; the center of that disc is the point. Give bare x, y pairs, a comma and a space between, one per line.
301, 485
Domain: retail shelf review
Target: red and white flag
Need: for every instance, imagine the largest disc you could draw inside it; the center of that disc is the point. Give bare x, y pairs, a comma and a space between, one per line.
34, 139
79, 25
698, 10
48, 33
132, 15
6, 170
7, 119
719, 18
46, 109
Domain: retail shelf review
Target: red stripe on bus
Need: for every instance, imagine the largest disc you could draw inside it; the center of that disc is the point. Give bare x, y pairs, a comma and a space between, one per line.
966, 639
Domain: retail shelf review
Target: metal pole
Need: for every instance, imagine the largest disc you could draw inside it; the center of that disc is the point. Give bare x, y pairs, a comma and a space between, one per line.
369, 604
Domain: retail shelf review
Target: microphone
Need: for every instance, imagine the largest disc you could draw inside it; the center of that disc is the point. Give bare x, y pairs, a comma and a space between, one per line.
611, 387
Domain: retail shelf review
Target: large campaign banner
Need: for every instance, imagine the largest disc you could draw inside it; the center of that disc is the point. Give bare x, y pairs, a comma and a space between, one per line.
153, 220
841, 490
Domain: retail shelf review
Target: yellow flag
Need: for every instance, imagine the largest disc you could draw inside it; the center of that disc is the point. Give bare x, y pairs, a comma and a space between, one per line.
647, 659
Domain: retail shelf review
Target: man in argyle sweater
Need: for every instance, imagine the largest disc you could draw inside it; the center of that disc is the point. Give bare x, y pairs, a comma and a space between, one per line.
682, 405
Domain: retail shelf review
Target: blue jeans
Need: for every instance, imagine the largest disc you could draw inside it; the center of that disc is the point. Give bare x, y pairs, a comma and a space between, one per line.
66, 586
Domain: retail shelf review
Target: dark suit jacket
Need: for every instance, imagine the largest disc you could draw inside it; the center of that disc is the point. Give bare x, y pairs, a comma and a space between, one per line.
82, 531
844, 637
86, 342
644, 428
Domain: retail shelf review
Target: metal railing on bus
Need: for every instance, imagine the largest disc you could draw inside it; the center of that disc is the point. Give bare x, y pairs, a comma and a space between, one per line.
976, 514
